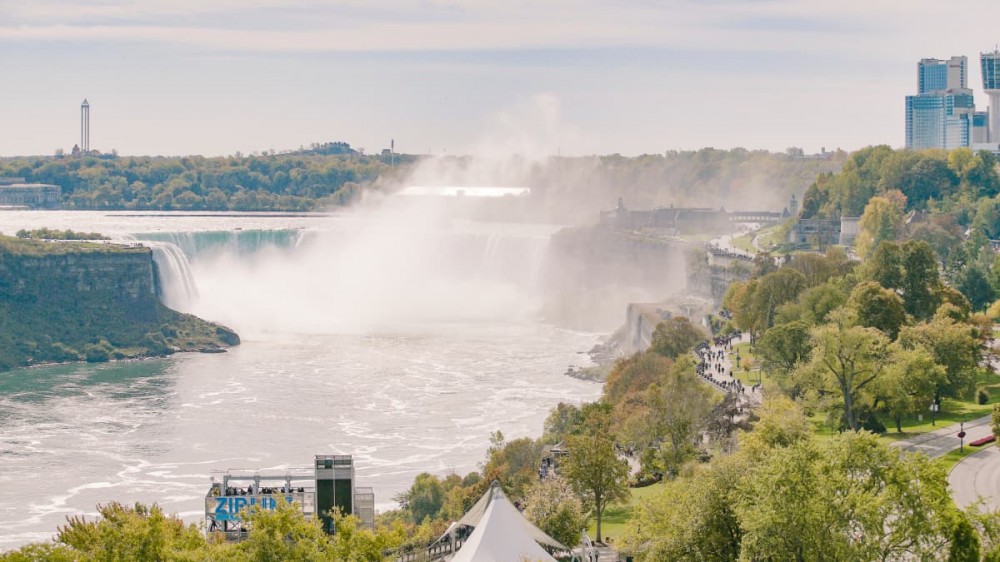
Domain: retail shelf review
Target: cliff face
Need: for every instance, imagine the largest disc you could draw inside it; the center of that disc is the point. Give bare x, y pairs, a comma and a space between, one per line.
95, 302
593, 273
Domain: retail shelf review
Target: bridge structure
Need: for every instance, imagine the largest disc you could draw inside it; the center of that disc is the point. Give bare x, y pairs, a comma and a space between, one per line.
757, 216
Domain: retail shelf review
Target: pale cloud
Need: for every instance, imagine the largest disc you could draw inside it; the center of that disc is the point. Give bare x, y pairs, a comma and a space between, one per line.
306, 25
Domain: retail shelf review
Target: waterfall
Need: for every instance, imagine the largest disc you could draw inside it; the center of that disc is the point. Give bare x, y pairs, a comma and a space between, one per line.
208, 244
176, 282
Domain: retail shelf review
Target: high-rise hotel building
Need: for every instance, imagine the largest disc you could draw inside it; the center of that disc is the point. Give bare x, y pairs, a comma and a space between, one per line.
943, 113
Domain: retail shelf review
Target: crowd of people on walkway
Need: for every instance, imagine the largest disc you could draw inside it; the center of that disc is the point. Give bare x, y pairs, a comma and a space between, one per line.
712, 365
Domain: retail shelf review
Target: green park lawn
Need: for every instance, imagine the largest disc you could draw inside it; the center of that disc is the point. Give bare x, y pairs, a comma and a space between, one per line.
952, 458
615, 517
952, 411
744, 242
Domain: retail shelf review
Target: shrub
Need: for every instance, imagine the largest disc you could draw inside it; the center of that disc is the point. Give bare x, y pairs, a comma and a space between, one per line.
982, 396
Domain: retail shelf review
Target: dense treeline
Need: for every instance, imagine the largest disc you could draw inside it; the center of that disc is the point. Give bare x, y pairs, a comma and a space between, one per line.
566, 188
283, 182
950, 200
940, 180
785, 495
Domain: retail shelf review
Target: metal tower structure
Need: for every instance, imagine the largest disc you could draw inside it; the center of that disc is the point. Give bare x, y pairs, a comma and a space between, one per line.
991, 85
85, 127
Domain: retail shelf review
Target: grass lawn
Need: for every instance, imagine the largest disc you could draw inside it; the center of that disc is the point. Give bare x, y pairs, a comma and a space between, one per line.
950, 459
744, 242
772, 236
613, 522
952, 411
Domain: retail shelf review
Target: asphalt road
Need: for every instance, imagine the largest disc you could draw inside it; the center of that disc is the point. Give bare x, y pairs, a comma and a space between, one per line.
937, 443
977, 475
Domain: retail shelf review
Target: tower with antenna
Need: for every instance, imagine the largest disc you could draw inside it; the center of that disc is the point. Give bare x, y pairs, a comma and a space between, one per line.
85, 127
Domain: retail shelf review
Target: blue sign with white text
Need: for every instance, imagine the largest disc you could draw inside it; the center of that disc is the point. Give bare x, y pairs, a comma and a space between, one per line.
227, 508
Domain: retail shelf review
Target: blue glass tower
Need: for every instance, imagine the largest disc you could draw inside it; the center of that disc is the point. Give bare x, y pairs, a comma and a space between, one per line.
941, 114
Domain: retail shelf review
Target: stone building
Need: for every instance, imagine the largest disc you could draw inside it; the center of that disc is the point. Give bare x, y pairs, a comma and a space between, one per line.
15, 192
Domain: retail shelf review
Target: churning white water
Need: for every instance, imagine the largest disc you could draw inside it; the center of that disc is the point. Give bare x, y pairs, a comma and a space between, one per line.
402, 342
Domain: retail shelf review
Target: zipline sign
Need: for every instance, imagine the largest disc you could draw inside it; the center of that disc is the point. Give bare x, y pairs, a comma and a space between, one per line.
228, 508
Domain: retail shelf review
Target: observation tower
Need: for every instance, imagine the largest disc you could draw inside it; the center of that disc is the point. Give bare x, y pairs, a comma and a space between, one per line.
85, 127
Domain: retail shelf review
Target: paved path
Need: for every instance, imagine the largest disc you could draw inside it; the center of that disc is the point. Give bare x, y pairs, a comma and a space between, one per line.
977, 475
749, 395
943, 440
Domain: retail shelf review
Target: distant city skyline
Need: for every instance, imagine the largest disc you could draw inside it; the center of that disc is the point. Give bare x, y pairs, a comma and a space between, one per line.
217, 77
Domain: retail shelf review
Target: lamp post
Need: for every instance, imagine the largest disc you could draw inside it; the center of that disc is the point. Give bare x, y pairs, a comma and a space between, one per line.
935, 408
961, 438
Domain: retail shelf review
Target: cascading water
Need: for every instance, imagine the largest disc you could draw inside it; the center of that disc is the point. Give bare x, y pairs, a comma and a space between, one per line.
176, 283
208, 244
354, 277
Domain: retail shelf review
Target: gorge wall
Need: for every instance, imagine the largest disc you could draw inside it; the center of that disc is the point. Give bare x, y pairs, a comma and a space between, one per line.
83, 301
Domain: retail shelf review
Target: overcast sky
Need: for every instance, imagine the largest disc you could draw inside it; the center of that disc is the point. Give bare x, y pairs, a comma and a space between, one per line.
571, 76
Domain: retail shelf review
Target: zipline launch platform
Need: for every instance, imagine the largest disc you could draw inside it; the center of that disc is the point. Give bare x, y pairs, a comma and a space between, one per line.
316, 491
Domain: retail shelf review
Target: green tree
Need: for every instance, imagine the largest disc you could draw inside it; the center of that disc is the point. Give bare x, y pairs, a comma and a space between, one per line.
881, 221
283, 534
995, 421
692, 518
921, 281
131, 533
424, 498
554, 508
845, 359
954, 346
976, 287
878, 307
595, 472
783, 347
909, 383
675, 336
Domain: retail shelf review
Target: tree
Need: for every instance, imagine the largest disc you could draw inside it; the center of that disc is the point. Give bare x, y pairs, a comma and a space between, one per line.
554, 508
976, 287
884, 266
772, 291
995, 421
424, 498
878, 307
815, 303
675, 336
845, 359
634, 375
853, 499
138, 532
954, 346
783, 347
881, 221
692, 518
596, 472
921, 281
283, 534
909, 382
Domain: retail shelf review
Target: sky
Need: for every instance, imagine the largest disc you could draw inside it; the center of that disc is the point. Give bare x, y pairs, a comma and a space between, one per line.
573, 77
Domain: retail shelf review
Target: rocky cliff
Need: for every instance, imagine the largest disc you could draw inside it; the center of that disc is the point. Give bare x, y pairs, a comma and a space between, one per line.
94, 302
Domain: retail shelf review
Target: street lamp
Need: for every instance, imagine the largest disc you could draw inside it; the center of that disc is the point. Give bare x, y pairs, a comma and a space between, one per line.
935, 408
961, 438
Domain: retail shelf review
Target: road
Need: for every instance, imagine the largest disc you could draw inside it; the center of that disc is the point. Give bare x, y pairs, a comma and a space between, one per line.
977, 475
942, 441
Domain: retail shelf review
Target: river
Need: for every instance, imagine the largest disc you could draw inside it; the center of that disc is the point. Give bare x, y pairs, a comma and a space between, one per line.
402, 342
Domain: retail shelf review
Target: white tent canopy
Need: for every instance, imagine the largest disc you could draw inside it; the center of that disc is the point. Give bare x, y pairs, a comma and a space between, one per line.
502, 534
